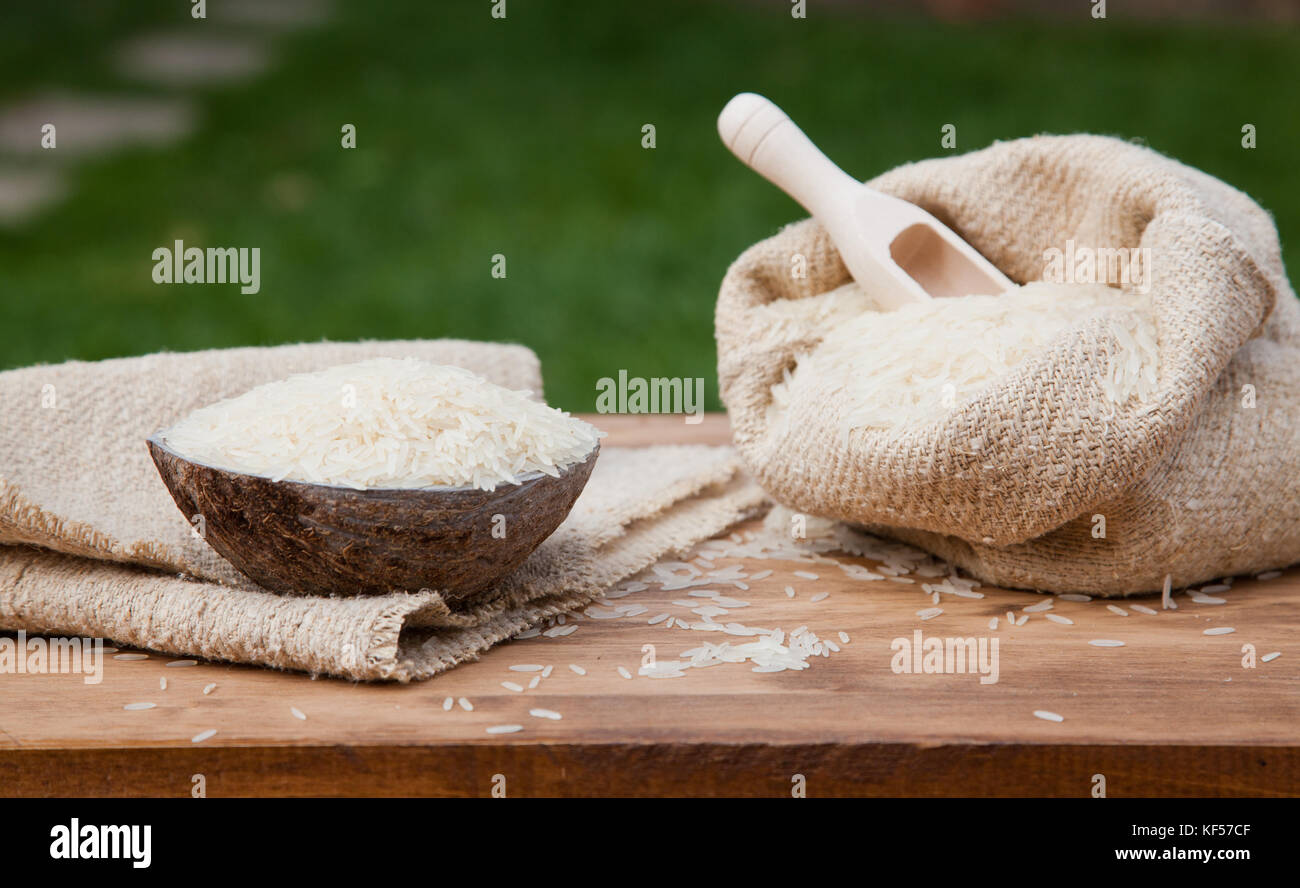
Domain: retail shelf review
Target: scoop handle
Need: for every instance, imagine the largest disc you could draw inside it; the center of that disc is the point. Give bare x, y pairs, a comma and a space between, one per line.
768, 142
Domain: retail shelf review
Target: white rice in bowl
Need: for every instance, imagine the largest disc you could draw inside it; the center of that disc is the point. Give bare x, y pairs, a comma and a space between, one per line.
385, 423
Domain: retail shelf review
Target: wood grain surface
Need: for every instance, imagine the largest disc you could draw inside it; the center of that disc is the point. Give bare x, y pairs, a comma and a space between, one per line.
1172, 712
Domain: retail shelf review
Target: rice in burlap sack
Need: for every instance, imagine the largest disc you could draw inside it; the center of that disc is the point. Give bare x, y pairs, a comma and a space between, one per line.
92, 544
1006, 485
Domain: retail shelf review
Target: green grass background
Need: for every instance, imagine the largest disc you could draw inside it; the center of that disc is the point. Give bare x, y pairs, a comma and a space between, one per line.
478, 136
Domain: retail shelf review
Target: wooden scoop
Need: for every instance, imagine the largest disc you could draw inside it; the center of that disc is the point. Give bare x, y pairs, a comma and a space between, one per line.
895, 250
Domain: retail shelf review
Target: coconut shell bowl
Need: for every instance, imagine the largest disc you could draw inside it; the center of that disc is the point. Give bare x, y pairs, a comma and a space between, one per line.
296, 537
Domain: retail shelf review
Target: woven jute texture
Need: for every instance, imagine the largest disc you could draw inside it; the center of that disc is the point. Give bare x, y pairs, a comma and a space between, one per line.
91, 543
1008, 485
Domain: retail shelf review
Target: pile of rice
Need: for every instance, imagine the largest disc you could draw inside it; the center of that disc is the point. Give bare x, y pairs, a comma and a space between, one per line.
912, 365
385, 423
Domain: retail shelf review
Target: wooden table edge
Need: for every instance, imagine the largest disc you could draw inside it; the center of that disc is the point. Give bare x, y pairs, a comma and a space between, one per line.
648, 768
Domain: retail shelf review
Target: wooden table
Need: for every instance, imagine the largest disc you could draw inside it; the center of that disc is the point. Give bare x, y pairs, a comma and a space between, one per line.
1172, 712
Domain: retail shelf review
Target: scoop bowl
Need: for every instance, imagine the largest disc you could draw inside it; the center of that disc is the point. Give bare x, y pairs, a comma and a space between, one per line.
296, 537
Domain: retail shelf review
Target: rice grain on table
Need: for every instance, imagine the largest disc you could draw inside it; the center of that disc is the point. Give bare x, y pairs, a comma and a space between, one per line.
1269, 575
162, 683
526, 667
1269, 658
545, 713
297, 713
1166, 594
183, 663
820, 596
511, 686
577, 669
136, 707
1047, 715
385, 423
131, 657
505, 729
536, 680
623, 672
447, 703
209, 688
1074, 596
807, 575
465, 704
1057, 618
708, 611
203, 735
929, 613
1143, 609
1220, 630
1117, 610
1106, 643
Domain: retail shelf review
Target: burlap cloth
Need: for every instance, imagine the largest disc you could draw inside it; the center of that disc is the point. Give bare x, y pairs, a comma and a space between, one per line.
1007, 484
92, 544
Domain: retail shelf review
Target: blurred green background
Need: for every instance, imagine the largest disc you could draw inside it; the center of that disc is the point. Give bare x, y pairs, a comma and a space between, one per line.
522, 136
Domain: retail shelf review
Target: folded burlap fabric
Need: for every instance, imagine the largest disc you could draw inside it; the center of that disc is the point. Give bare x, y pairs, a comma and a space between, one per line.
1007, 485
91, 543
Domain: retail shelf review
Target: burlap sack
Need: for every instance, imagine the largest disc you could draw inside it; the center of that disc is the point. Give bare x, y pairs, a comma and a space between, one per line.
92, 544
1007, 486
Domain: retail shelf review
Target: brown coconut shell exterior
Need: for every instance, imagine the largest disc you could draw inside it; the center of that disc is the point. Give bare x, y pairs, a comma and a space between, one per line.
295, 537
